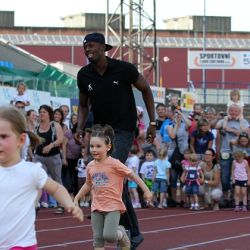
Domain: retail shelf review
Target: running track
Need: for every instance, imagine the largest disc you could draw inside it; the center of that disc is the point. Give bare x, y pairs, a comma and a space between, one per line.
171, 228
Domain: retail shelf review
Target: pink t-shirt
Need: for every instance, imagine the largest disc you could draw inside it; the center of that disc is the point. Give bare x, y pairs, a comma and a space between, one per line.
240, 172
106, 179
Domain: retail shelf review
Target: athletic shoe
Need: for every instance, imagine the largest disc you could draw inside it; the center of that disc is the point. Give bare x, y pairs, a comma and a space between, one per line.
216, 207
244, 209
124, 242
86, 204
81, 203
237, 209
44, 204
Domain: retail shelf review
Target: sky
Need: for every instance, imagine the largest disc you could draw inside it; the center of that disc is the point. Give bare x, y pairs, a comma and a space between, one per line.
48, 13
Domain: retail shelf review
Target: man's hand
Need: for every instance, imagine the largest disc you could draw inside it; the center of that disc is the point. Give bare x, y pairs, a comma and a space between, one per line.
150, 134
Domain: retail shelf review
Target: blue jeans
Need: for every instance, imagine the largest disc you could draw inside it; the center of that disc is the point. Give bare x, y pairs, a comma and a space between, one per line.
226, 166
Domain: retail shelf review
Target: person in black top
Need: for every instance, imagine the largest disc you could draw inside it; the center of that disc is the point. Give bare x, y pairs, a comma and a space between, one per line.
105, 85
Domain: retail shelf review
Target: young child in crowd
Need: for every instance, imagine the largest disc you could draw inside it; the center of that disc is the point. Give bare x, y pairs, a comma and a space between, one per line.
105, 176
240, 179
161, 176
234, 99
81, 174
147, 168
21, 181
193, 177
185, 163
133, 163
201, 138
21, 95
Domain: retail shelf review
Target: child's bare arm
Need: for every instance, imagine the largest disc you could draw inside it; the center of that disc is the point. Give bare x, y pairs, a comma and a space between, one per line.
82, 192
60, 193
142, 185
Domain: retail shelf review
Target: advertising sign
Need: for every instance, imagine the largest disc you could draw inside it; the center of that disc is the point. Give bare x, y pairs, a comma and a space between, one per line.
219, 59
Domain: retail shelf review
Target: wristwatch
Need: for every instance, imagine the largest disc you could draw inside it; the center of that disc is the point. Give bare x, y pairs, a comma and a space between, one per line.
152, 124
206, 182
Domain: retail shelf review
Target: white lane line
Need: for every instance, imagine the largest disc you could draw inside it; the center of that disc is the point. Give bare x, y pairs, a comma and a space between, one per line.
195, 225
209, 242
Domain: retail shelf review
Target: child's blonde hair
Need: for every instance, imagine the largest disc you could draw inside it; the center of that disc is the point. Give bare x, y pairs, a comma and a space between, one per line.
21, 84
162, 153
234, 92
239, 154
18, 123
193, 157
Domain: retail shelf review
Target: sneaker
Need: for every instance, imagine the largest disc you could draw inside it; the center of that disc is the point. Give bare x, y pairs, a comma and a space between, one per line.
192, 207
124, 242
160, 206
164, 203
137, 205
59, 210
237, 209
244, 208
216, 207
44, 204
81, 203
197, 207
86, 204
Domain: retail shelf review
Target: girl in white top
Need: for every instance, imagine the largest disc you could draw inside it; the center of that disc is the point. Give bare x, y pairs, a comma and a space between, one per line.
21, 95
240, 178
21, 182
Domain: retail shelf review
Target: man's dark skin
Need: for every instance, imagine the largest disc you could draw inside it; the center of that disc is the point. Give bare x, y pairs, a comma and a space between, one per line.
95, 52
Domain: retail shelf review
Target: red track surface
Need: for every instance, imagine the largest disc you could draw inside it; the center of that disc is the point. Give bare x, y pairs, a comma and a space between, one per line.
171, 228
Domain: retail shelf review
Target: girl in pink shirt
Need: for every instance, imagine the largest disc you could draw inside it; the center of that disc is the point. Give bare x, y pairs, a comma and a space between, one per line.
105, 176
240, 178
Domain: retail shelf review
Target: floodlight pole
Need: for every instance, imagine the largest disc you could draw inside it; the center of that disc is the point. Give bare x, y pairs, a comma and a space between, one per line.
204, 85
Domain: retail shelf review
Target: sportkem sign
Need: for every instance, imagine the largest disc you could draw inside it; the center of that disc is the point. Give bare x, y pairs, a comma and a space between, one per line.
219, 59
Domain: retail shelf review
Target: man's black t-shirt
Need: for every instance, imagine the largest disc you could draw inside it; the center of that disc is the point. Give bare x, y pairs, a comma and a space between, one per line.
111, 95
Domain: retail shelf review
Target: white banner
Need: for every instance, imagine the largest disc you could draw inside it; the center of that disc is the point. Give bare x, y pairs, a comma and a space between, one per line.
219, 59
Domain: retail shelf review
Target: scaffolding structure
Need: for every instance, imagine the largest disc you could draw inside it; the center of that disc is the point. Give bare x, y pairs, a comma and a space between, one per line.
131, 44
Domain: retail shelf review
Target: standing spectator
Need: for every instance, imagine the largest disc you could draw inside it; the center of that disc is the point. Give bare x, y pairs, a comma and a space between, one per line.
211, 117
58, 116
242, 143
227, 134
48, 152
82, 174
235, 99
105, 176
21, 95
161, 176
240, 178
31, 116
193, 177
178, 132
201, 138
71, 153
161, 111
211, 190
133, 163
147, 168
105, 84
73, 120
21, 182
65, 110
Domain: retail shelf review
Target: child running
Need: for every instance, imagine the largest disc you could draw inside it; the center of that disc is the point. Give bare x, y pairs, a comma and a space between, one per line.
105, 176
21, 182
193, 177
240, 178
